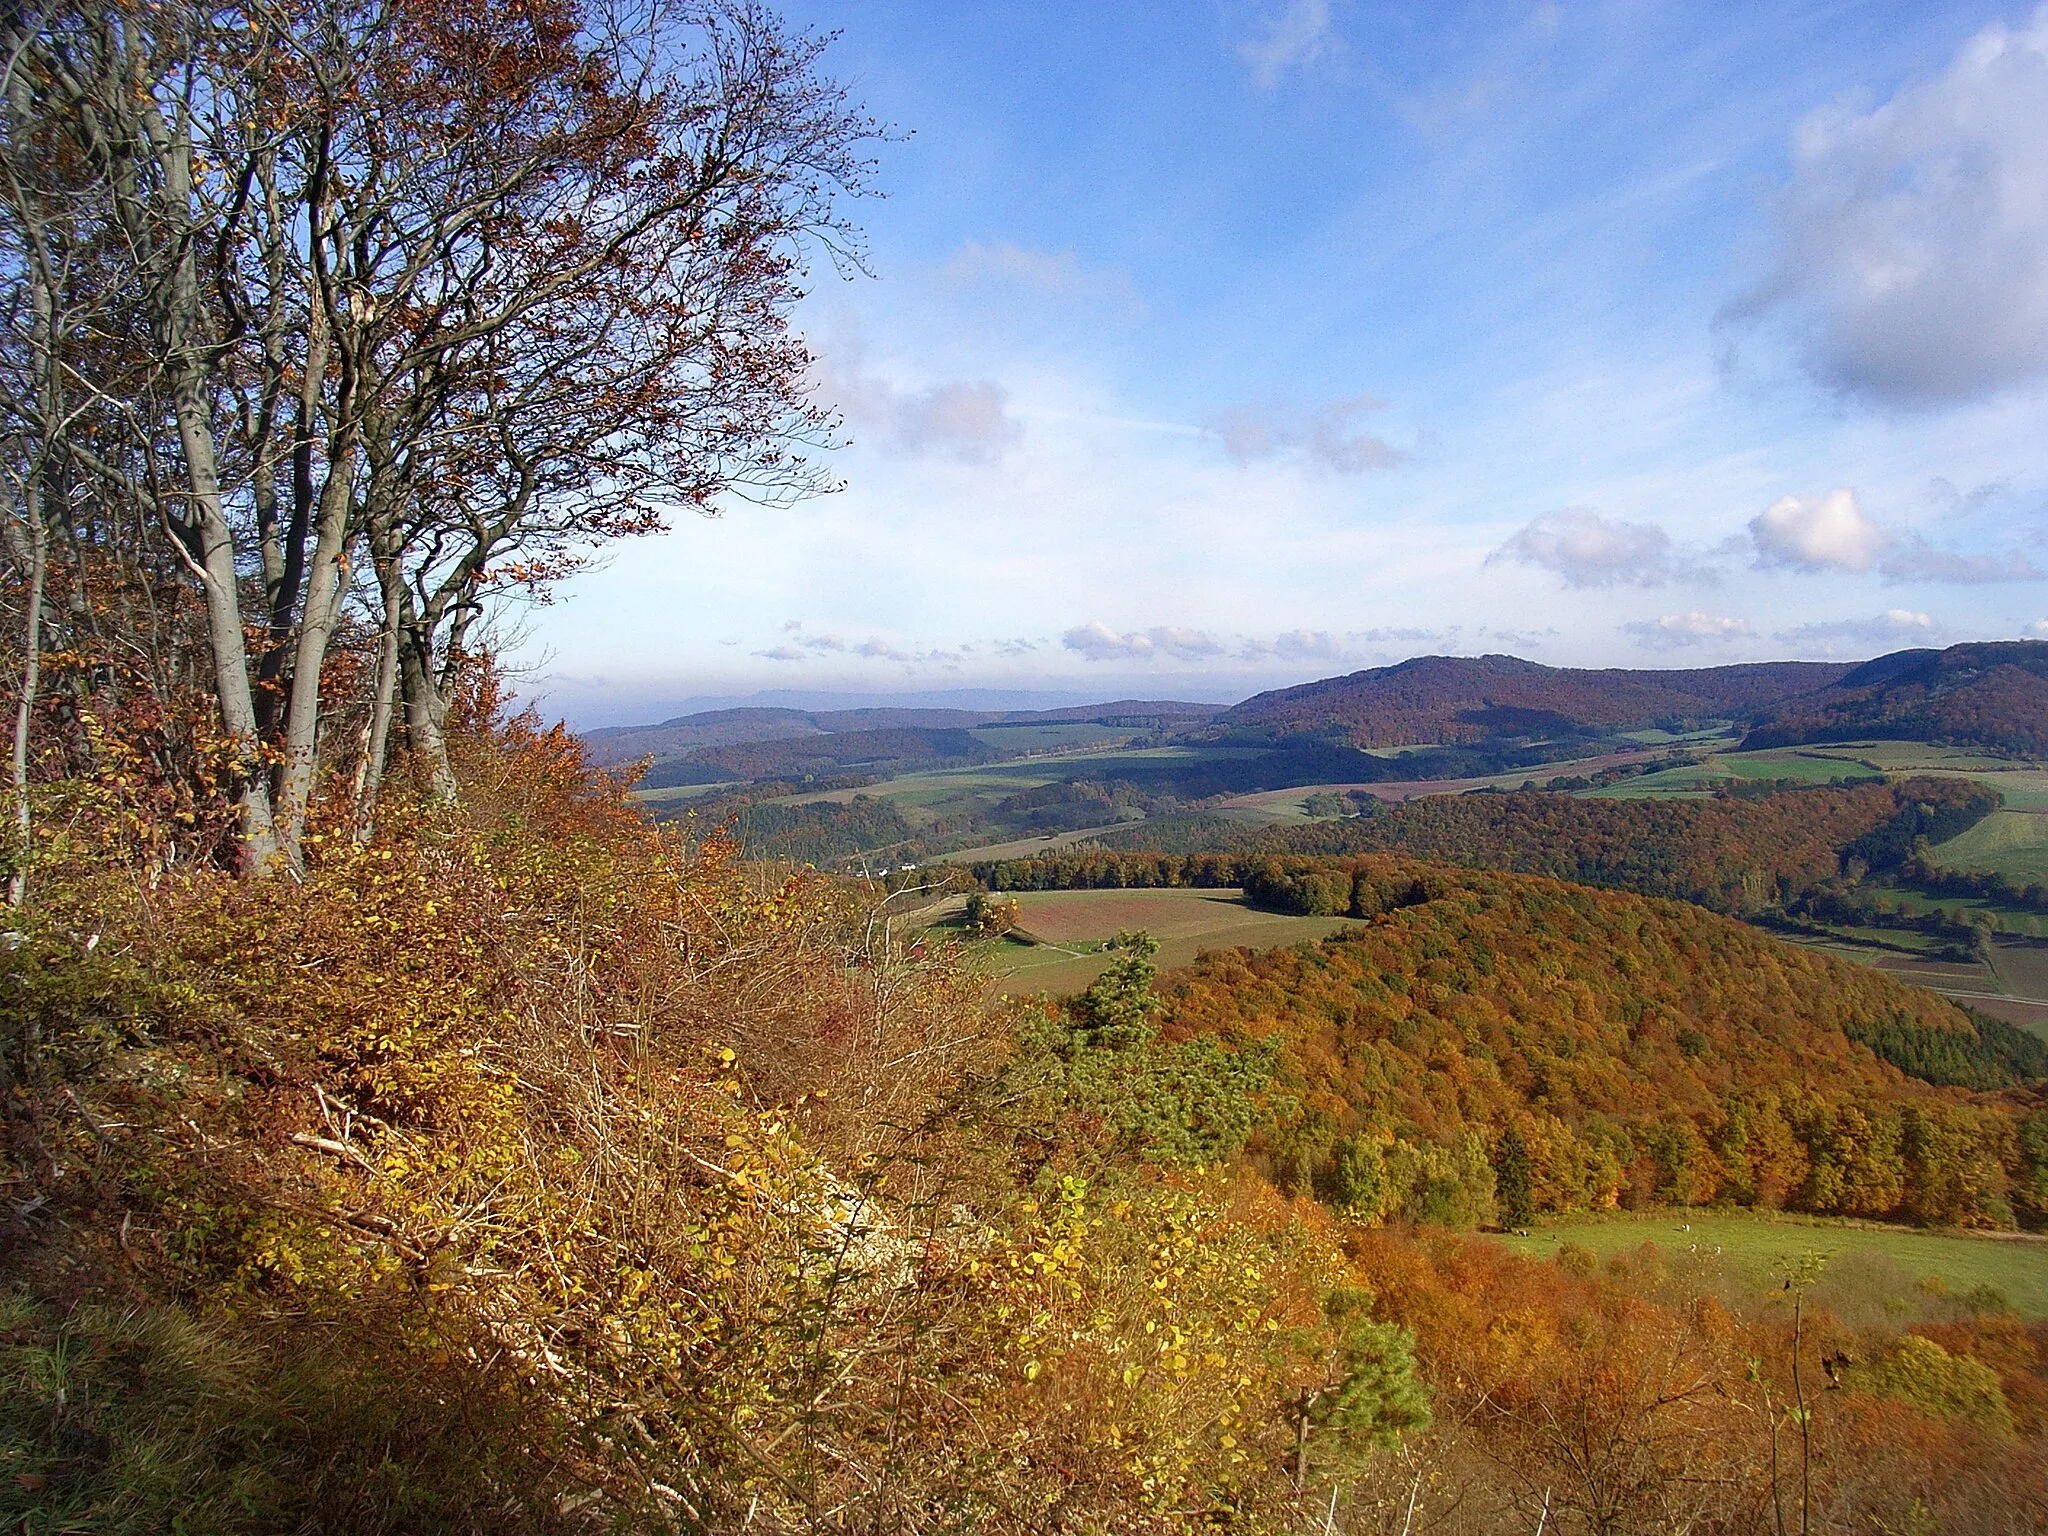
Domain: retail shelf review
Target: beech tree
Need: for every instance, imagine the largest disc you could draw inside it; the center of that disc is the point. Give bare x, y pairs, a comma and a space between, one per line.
407, 303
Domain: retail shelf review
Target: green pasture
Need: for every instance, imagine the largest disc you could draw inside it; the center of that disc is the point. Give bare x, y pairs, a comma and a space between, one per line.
674, 792
1913, 757
2011, 919
1708, 736
1051, 738
1804, 765
1068, 928
1752, 1247
1690, 782
1035, 846
2008, 842
2024, 787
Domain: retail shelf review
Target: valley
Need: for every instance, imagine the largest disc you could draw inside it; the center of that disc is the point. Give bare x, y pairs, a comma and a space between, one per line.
931, 770
1138, 775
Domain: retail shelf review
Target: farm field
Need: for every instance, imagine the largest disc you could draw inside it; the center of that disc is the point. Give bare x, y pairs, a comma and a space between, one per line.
1290, 805
668, 794
1025, 847
1835, 762
1052, 738
1864, 1259
2012, 919
1071, 924
2013, 986
2013, 843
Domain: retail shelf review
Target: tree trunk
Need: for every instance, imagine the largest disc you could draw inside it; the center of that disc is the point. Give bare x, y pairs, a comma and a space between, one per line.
426, 706
206, 515
370, 773
31, 674
325, 580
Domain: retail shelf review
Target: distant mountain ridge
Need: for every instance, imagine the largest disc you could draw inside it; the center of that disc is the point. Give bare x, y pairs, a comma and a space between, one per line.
1462, 699
735, 727
1991, 695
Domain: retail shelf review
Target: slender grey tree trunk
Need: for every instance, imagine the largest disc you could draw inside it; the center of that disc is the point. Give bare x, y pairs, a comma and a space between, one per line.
31, 677
377, 746
206, 513
324, 582
426, 706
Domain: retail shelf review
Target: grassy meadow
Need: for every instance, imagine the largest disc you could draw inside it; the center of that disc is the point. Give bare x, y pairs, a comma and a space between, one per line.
1065, 930
1893, 1269
2009, 842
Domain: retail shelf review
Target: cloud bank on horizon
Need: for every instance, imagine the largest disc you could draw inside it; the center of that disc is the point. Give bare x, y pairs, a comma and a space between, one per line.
1325, 339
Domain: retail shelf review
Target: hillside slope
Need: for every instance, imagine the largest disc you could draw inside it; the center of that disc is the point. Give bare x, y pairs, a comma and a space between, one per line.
732, 727
1731, 854
1475, 698
1634, 1050
1990, 695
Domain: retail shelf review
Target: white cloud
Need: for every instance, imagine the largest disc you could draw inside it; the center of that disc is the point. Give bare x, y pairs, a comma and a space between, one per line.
781, 653
966, 420
1335, 441
1913, 265
1329, 437
1817, 533
1914, 559
1296, 645
1589, 550
1300, 33
1059, 273
2038, 630
1307, 645
1894, 629
1830, 533
1096, 641
1675, 630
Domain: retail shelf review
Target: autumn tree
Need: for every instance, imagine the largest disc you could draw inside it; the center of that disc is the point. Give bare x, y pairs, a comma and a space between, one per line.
417, 302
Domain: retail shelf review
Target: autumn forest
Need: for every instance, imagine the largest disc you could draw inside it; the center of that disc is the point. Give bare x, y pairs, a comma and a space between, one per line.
418, 1117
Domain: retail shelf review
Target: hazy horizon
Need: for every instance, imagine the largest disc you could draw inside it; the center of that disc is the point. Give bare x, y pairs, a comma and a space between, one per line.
1208, 351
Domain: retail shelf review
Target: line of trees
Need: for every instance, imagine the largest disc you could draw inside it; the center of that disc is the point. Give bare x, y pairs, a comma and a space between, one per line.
328, 321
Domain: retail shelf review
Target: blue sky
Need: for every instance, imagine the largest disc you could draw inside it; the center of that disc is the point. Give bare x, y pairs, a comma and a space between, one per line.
1213, 346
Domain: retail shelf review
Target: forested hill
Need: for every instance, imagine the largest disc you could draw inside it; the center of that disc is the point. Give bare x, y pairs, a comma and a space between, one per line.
1733, 855
1990, 695
729, 727
1477, 698
1607, 1048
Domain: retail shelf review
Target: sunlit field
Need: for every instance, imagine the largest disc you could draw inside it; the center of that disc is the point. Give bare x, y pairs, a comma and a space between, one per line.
1066, 930
1746, 1254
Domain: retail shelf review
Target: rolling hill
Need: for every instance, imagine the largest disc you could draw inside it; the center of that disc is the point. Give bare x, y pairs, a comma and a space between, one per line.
1991, 695
734, 727
1731, 855
1594, 1047
1434, 699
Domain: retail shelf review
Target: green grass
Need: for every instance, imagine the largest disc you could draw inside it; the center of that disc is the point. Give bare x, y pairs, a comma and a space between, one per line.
1074, 924
679, 792
1711, 736
2011, 843
2011, 919
1751, 1246
2024, 787
1805, 765
1685, 783
1051, 738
